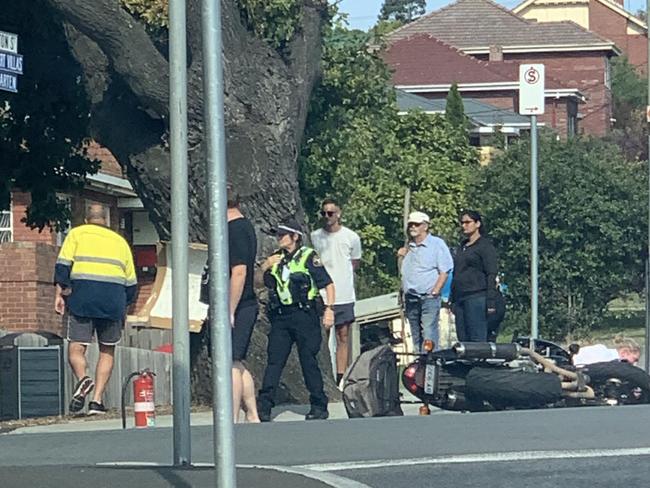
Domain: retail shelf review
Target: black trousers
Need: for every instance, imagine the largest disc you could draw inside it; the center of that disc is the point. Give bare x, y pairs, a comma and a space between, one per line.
301, 326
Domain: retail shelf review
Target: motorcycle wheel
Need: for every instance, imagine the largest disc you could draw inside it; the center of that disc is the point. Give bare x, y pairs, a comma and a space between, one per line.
506, 388
600, 373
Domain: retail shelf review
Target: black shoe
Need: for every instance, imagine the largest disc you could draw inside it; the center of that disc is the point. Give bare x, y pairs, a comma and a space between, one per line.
317, 414
96, 408
264, 416
84, 386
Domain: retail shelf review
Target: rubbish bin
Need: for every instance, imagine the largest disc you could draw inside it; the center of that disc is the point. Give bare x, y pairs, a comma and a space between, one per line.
31, 378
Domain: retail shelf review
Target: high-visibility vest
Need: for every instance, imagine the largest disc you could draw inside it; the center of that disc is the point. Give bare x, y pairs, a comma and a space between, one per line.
296, 266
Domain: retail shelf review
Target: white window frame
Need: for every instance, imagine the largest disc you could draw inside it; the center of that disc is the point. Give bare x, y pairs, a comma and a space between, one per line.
9, 229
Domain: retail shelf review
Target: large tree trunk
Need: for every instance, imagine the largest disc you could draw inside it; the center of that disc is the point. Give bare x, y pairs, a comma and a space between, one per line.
266, 102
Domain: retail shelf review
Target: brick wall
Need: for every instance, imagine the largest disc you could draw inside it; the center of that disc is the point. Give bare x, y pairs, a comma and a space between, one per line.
109, 165
610, 25
26, 290
582, 70
19, 204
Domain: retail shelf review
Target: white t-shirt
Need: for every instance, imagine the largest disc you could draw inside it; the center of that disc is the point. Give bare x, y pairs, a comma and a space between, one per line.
337, 250
597, 353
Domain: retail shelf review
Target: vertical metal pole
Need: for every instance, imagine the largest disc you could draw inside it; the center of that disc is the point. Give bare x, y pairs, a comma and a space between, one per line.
224, 449
534, 278
180, 233
647, 288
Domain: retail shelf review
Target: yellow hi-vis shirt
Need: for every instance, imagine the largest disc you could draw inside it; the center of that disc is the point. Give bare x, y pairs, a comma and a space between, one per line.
97, 264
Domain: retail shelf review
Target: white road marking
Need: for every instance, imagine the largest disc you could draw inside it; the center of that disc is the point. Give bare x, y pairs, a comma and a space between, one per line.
480, 458
327, 478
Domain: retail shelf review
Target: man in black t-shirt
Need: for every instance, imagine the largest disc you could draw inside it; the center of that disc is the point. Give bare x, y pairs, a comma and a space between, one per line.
242, 244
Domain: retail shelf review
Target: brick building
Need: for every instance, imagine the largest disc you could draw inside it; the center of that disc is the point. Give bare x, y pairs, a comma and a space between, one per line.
27, 256
425, 66
574, 57
607, 18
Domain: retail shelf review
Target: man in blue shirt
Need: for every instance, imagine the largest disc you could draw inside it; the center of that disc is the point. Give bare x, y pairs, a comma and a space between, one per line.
427, 263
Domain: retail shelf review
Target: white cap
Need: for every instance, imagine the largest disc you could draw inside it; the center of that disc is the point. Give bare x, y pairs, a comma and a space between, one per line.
418, 218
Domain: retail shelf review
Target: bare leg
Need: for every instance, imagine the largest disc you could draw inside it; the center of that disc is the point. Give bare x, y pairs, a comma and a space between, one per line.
103, 371
77, 359
237, 387
342, 347
250, 404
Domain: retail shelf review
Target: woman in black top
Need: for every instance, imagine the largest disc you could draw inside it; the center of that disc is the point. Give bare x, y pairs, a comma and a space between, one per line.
474, 289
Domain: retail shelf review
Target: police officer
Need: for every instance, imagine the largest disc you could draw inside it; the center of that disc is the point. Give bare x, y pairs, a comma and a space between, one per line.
293, 276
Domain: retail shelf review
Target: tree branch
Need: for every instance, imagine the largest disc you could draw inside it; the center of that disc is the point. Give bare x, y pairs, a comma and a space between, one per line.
126, 43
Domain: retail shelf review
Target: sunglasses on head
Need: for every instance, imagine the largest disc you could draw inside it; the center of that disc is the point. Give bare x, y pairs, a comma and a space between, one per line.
328, 213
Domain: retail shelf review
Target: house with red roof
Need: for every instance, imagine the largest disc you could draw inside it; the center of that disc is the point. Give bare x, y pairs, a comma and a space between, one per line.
426, 66
607, 18
574, 57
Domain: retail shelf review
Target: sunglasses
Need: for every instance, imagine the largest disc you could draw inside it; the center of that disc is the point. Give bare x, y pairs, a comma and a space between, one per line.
327, 213
464, 222
414, 224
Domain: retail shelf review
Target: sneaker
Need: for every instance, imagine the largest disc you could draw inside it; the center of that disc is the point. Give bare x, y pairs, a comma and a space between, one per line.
84, 386
96, 408
264, 416
317, 414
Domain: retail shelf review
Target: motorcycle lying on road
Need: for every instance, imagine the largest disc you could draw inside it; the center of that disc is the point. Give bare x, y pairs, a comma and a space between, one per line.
484, 376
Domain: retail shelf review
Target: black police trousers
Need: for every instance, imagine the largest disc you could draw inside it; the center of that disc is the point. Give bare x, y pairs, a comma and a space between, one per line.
302, 326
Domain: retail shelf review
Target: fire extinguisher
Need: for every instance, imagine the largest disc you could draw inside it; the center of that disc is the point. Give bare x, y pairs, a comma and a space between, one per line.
143, 399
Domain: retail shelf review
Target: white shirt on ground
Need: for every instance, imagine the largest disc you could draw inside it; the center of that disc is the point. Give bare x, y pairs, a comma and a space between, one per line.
597, 353
337, 250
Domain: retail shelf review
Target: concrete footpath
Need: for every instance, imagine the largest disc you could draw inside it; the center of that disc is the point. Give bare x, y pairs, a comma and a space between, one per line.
285, 413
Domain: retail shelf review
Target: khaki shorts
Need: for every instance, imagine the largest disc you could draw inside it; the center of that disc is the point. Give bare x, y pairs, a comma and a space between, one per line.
81, 329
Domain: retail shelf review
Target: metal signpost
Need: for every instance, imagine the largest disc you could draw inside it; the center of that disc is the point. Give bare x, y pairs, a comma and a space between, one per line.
531, 102
180, 231
215, 136
647, 266
11, 63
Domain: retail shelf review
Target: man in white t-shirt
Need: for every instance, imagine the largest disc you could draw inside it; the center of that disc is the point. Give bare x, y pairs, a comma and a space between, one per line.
340, 251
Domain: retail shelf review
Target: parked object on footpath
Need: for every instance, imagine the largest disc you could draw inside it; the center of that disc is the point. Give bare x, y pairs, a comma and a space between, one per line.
144, 399
371, 385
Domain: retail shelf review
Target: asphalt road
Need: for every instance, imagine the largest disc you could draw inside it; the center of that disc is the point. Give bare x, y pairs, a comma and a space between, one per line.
588, 447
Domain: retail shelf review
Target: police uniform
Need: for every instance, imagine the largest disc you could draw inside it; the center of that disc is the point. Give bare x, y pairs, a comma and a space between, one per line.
293, 289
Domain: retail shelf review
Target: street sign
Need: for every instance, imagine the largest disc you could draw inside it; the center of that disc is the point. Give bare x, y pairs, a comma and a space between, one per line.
9, 82
11, 63
8, 42
531, 89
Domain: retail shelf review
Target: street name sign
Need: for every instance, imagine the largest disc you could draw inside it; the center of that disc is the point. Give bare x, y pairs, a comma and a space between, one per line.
531, 89
9, 82
8, 42
11, 63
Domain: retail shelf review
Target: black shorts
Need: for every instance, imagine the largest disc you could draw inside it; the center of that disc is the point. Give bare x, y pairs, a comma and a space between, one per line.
245, 318
81, 329
343, 314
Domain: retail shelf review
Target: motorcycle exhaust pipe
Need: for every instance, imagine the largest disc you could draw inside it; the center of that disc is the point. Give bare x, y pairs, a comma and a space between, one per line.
486, 350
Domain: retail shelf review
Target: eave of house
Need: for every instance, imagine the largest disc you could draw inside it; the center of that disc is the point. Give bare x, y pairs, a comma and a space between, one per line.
111, 185
550, 48
502, 86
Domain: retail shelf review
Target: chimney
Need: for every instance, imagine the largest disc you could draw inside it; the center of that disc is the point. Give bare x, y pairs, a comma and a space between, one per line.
496, 53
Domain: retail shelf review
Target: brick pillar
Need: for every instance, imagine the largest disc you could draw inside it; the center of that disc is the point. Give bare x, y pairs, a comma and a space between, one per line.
26, 290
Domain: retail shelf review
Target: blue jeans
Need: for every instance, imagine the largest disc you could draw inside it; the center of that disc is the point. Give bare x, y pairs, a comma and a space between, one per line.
422, 314
471, 319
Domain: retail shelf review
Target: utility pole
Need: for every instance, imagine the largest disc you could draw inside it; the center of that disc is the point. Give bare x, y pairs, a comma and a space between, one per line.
180, 231
647, 263
215, 136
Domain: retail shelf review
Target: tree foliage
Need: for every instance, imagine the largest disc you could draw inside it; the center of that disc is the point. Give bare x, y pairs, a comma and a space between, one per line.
153, 12
592, 215
359, 149
402, 10
276, 21
44, 126
629, 96
454, 109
